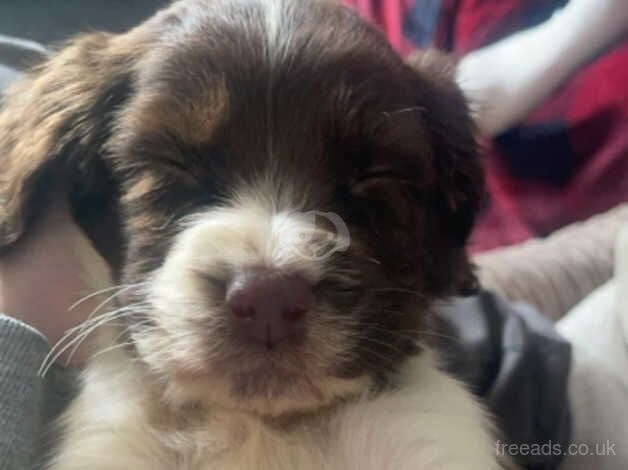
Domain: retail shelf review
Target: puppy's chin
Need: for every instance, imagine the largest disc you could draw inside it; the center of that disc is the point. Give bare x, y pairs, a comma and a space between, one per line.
251, 379
275, 392
288, 379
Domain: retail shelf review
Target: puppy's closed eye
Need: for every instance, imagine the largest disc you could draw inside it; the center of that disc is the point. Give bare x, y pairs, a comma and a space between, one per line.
379, 177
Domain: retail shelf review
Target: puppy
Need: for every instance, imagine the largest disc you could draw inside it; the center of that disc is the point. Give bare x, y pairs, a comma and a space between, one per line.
279, 199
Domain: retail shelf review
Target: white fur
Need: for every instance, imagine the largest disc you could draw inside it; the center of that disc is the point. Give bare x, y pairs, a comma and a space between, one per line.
428, 422
598, 383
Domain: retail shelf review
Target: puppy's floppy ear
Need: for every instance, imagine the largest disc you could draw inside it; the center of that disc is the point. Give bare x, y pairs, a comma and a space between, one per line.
53, 126
458, 189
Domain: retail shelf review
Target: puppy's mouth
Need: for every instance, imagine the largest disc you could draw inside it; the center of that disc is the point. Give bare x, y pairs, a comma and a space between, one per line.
269, 373
272, 382
255, 359
263, 375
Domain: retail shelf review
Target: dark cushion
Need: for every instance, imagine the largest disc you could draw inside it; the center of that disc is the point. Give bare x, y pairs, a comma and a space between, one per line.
15, 56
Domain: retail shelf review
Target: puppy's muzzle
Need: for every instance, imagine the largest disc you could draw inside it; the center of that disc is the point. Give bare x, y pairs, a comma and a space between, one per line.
269, 307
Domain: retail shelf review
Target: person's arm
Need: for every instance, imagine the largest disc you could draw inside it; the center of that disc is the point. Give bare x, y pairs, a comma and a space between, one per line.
22, 350
506, 80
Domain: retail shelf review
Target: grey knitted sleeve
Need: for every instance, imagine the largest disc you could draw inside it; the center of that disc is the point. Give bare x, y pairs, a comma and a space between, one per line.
22, 349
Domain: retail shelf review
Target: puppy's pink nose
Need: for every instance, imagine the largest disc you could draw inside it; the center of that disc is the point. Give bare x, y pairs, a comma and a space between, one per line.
269, 307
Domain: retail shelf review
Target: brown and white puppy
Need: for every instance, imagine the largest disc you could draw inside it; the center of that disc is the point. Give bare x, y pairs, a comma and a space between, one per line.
280, 198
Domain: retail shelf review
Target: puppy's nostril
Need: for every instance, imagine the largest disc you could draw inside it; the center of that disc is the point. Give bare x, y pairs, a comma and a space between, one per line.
268, 306
243, 312
292, 315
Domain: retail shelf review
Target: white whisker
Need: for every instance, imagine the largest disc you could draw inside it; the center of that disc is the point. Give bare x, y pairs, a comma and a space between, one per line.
98, 292
111, 348
59, 348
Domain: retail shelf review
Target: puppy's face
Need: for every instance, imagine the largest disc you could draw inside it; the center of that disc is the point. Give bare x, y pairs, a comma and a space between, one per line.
291, 197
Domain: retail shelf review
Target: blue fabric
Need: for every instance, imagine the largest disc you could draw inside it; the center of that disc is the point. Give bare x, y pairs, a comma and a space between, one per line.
421, 24
540, 152
537, 12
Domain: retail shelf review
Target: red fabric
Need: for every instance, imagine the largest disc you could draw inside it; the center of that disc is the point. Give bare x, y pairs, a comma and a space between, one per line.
594, 107
480, 22
389, 15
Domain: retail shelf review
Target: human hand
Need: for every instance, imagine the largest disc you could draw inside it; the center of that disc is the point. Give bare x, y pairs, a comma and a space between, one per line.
43, 275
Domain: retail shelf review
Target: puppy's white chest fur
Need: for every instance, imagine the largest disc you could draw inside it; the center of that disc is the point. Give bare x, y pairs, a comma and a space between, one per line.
428, 422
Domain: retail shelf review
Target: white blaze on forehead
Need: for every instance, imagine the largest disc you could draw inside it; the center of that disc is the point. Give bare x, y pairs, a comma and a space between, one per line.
238, 238
277, 15
250, 234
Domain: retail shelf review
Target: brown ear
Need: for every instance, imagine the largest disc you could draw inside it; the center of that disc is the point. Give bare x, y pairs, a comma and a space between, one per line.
458, 190
53, 125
